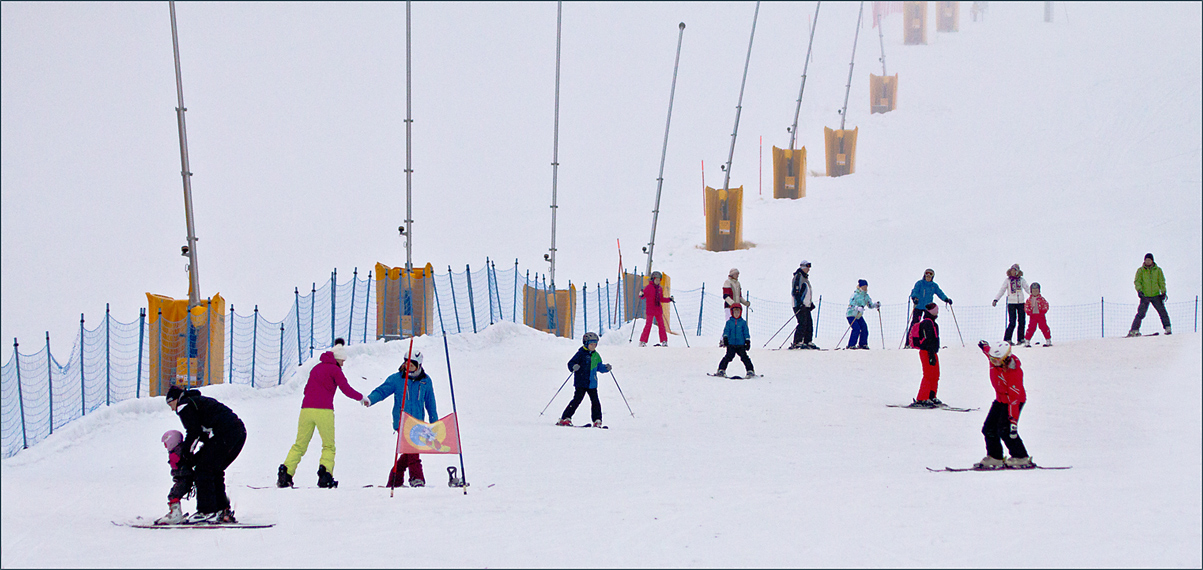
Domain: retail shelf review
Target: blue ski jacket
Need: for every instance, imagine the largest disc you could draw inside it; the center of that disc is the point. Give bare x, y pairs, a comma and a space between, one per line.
736, 332
419, 399
924, 291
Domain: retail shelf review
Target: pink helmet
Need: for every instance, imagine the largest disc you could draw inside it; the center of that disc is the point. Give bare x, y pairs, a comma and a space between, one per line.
172, 438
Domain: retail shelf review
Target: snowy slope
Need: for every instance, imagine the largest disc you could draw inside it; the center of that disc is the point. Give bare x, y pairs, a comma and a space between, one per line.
1072, 149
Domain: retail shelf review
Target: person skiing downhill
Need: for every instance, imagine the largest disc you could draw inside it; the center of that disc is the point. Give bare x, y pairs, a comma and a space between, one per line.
922, 294
737, 340
1002, 422
317, 412
928, 343
1036, 308
418, 402
733, 294
183, 480
803, 305
219, 434
1014, 286
653, 297
585, 365
1150, 287
857, 304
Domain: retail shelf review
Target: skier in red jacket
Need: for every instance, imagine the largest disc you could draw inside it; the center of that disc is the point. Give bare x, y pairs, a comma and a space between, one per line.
653, 296
1002, 422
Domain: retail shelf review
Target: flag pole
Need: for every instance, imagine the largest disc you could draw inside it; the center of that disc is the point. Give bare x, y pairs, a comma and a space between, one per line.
447, 352
400, 422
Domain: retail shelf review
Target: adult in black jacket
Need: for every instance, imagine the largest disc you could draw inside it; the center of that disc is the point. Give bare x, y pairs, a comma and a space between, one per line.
803, 305
221, 435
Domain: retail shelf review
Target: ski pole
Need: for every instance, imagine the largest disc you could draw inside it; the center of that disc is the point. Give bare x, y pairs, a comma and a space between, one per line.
766, 343
954, 321
841, 341
907, 330
624, 396
787, 338
881, 328
681, 324
553, 398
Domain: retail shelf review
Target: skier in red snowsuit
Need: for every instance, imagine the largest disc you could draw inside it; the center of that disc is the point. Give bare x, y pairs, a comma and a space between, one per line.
1002, 422
653, 296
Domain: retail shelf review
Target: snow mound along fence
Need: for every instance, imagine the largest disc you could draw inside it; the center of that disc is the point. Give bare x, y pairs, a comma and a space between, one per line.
110, 363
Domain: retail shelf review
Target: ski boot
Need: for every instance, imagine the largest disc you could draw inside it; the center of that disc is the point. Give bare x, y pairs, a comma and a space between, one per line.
750, 374
641, 343
597, 423
1019, 463
565, 422
721, 373
415, 482
1133, 333
921, 404
989, 464
283, 479
201, 518
1167, 330
936, 403
175, 514
325, 479
226, 516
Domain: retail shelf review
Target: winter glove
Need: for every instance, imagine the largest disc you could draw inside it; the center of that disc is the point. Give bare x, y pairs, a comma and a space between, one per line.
672, 300
983, 344
877, 305
931, 358
609, 368
723, 343
914, 301
1014, 431
576, 367
1164, 296
948, 300
995, 303
367, 402
748, 345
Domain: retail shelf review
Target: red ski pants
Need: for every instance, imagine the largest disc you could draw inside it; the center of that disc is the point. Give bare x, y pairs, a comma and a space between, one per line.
1037, 320
658, 315
411, 460
931, 376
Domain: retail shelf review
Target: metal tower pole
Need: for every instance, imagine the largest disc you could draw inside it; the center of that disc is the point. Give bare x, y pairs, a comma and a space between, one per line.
739, 105
194, 293
651, 244
793, 131
555, 152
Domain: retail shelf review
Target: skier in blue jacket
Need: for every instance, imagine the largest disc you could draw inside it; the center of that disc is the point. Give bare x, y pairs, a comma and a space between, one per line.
585, 365
419, 403
921, 294
737, 340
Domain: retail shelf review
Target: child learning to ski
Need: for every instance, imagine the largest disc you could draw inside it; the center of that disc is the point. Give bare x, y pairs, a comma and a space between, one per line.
925, 336
856, 315
1036, 308
181, 476
585, 365
737, 341
1002, 422
418, 397
219, 434
653, 297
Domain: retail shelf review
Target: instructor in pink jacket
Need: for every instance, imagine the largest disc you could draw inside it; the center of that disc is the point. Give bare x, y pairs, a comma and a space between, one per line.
317, 411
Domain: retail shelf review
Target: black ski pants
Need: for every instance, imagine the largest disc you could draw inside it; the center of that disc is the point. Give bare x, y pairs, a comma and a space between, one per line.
997, 430
732, 352
1015, 313
1158, 303
214, 457
594, 404
804, 332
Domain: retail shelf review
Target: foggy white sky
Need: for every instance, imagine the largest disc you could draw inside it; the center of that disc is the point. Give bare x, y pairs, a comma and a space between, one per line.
295, 128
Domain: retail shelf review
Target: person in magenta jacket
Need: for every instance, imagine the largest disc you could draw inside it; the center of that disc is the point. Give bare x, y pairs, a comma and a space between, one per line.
653, 297
317, 411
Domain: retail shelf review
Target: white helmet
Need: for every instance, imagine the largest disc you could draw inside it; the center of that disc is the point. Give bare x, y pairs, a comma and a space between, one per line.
999, 353
416, 358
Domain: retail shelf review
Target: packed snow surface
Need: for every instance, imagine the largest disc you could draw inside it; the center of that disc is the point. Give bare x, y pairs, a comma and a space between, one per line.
1072, 148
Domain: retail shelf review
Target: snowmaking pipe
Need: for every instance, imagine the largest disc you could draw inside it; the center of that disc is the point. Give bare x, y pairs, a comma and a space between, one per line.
651, 244
739, 104
185, 171
555, 151
881, 38
793, 132
851, 64
409, 155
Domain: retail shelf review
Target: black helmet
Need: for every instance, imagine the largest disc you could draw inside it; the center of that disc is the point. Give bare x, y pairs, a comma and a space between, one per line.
589, 338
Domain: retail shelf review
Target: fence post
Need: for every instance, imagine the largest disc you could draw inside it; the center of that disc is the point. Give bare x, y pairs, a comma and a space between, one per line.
280, 366
1196, 313
454, 303
254, 344
471, 301
50, 379
489, 287
1102, 318
108, 392
209, 343
701, 307
351, 313
515, 313
83, 393
297, 310
384, 327
141, 339
585, 304
230, 343
818, 313
526, 285
367, 301
601, 320
20, 396
312, 310
158, 380
333, 303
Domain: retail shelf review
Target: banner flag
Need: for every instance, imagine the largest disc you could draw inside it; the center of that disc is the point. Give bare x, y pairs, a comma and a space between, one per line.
420, 437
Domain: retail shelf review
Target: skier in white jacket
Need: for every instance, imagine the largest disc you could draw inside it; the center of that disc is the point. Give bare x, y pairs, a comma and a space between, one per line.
1014, 287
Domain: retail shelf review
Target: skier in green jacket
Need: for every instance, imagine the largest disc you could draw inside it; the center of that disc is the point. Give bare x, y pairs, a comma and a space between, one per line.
1150, 286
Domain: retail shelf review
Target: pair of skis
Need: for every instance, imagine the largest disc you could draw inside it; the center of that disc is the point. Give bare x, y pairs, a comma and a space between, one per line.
148, 523
958, 470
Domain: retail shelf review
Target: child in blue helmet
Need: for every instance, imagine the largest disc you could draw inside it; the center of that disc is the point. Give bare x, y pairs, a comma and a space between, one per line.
585, 365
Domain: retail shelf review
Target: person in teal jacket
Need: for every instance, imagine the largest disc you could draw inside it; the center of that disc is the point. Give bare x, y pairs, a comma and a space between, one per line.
857, 304
921, 294
419, 403
1150, 287
737, 341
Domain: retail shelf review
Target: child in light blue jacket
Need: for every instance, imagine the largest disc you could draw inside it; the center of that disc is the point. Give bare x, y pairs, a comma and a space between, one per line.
856, 308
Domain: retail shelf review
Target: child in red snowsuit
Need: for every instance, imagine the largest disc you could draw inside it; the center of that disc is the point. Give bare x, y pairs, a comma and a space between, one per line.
1037, 308
181, 476
928, 343
653, 296
1002, 422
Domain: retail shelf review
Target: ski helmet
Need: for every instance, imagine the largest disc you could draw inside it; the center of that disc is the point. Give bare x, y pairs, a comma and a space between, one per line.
416, 358
657, 275
589, 338
999, 353
172, 438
